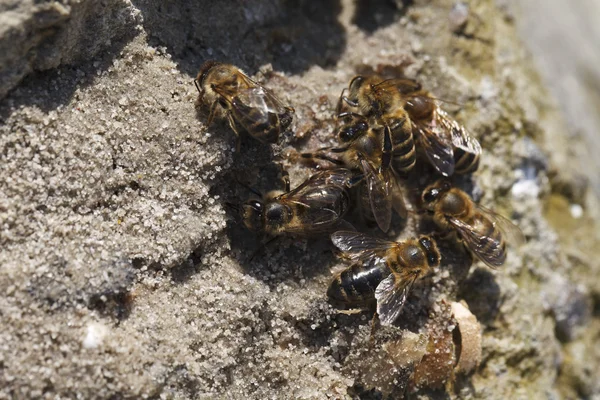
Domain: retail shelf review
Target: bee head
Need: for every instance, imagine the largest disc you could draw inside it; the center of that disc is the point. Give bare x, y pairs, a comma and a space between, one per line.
252, 212
202, 74
432, 194
431, 250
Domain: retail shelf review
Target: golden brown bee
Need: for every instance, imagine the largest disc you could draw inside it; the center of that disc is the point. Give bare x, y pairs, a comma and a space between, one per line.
383, 271
317, 205
381, 102
482, 231
247, 104
445, 142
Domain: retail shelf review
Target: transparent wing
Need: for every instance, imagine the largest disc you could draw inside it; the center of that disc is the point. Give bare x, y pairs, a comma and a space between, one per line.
261, 98
358, 246
315, 219
336, 177
489, 248
398, 199
380, 195
320, 202
391, 294
459, 136
437, 146
511, 232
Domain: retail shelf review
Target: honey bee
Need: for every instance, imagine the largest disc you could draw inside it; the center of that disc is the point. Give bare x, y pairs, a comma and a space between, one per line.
247, 104
381, 103
317, 205
482, 231
382, 271
447, 144
369, 148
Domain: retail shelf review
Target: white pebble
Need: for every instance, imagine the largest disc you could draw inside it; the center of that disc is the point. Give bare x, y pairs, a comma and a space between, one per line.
94, 336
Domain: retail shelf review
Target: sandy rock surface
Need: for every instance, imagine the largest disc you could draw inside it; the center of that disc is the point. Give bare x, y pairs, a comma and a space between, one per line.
124, 275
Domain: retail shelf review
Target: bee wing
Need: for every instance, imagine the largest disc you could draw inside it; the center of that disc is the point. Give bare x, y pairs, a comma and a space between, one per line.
322, 205
404, 85
261, 98
332, 177
358, 246
511, 232
337, 176
380, 195
391, 294
316, 219
460, 137
398, 199
489, 249
436, 145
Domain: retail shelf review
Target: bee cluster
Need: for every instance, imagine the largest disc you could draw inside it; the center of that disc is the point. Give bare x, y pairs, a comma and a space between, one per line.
385, 127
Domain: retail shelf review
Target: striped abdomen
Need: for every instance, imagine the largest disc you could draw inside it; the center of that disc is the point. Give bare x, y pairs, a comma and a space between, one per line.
404, 155
355, 286
260, 124
486, 241
465, 162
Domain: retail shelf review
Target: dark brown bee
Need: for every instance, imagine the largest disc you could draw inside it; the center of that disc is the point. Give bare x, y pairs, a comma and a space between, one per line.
383, 271
317, 205
369, 148
482, 231
445, 142
247, 104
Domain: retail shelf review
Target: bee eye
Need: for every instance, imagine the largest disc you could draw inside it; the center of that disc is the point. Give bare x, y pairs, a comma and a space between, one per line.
430, 195
430, 250
345, 135
256, 205
251, 214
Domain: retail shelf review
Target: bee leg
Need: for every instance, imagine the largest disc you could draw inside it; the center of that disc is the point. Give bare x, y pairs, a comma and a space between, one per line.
263, 247
351, 311
355, 180
374, 326
320, 156
386, 155
353, 115
340, 103
211, 114
251, 189
234, 129
198, 87
350, 102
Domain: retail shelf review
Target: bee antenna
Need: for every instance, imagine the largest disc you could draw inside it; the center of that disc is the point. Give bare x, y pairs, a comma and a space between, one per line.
233, 206
197, 86
251, 189
456, 103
